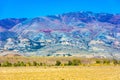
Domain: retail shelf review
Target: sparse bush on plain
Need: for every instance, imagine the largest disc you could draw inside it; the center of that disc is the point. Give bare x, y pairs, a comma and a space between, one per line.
58, 63
15, 65
115, 62
98, 62
70, 63
106, 62
6, 64
41, 64
55, 61
22, 64
28, 64
19, 64
35, 63
76, 62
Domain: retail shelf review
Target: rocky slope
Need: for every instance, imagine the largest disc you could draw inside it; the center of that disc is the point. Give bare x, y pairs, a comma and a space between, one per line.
84, 34
6, 24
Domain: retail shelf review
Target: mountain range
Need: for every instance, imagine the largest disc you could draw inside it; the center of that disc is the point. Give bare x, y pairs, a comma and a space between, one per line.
84, 34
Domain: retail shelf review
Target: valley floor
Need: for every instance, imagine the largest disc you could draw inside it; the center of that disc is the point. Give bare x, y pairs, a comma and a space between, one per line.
61, 73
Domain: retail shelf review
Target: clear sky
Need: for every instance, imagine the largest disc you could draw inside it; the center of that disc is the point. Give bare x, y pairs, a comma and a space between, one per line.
35, 8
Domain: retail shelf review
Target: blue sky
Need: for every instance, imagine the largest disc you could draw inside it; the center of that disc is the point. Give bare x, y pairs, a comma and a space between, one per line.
34, 8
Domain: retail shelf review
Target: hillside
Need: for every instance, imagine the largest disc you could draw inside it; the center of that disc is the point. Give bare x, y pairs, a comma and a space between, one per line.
83, 34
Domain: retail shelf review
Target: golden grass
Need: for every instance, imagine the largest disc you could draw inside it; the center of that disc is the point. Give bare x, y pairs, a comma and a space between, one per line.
60, 73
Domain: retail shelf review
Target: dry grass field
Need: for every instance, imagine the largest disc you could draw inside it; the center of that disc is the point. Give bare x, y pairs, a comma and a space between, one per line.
61, 73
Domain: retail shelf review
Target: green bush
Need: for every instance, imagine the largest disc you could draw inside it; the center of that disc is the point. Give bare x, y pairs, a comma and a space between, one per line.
115, 62
19, 64
106, 62
76, 62
6, 64
98, 62
29, 64
41, 64
35, 63
15, 65
22, 64
69, 63
58, 63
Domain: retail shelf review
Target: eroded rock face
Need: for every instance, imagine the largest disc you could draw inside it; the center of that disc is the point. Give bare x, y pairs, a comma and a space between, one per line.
76, 33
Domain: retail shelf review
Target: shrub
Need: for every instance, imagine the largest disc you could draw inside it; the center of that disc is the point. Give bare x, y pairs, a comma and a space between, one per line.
15, 64
41, 64
106, 62
69, 63
6, 64
19, 64
22, 64
76, 62
115, 62
29, 64
35, 63
119, 62
98, 62
58, 63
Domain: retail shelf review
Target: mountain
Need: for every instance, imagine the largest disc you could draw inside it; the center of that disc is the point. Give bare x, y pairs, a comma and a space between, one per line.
10, 22
85, 34
6, 24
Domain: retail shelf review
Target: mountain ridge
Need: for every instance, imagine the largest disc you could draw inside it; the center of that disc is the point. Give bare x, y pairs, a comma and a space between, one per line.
75, 33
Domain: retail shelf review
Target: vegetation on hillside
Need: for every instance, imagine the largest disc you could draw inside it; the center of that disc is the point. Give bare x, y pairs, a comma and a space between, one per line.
55, 61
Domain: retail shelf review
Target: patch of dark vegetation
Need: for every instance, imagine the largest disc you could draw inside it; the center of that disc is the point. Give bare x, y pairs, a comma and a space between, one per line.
55, 61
